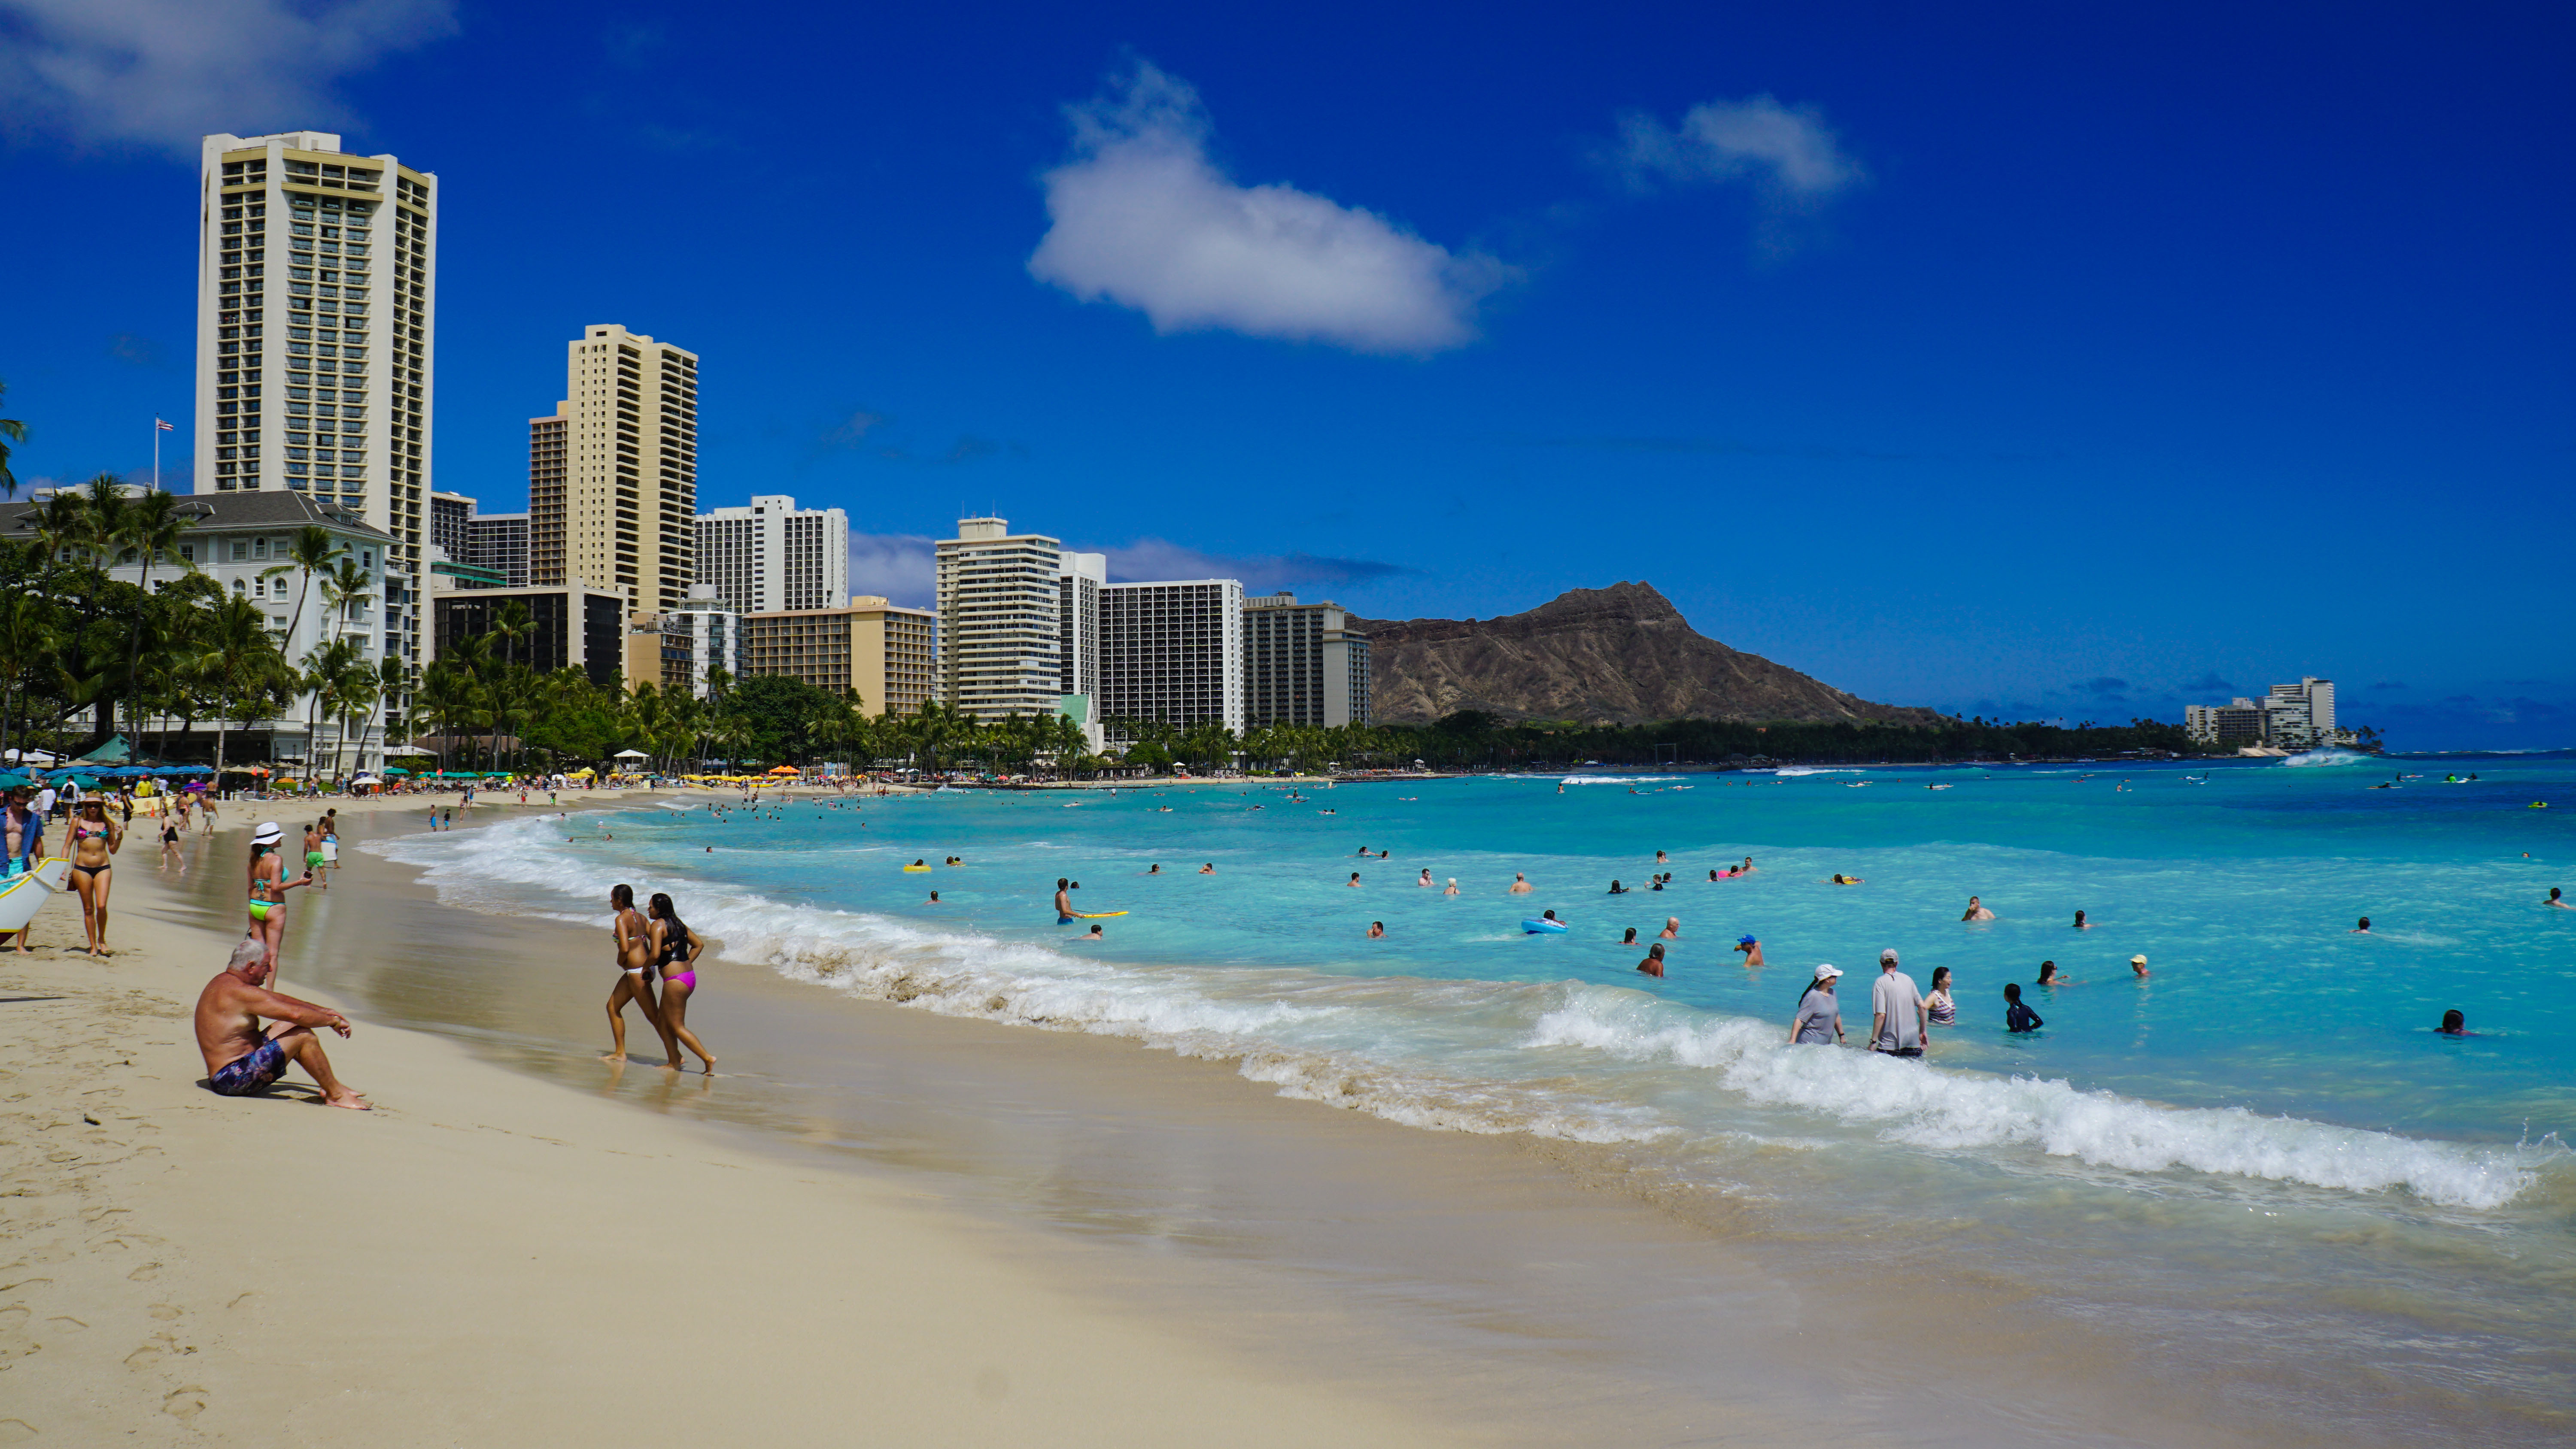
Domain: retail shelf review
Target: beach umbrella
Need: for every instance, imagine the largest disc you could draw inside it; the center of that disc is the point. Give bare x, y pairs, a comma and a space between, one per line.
630, 755
784, 770
14, 781
396, 770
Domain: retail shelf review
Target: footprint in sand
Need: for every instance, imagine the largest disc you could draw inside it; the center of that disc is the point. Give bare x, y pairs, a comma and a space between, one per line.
185, 1403
16, 1431
146, 1273
166, 1311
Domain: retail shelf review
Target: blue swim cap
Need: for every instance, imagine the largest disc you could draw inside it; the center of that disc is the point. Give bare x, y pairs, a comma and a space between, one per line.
1744, 940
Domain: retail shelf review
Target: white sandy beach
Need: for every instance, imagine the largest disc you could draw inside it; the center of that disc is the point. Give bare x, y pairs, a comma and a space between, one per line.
492, 1260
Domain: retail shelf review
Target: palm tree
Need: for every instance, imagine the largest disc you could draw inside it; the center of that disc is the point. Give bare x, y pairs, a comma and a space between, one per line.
16, 432
61, 525
511, 622
149, 528
311, 553
239, 656
445, 700
26, 637
323, 665
393, 676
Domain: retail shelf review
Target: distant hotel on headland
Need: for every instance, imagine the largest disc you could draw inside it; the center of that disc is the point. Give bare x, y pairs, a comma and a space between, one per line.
2297, 716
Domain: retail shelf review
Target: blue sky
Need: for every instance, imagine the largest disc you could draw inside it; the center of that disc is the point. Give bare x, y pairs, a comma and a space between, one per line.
2034, 360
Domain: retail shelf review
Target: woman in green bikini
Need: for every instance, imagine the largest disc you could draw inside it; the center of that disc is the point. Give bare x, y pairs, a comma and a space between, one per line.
268, 888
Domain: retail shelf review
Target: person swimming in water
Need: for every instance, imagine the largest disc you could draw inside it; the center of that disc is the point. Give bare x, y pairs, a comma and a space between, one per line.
1977, 911
1208, 869
1354, 881
2363, 929
2454, 1024
1672, 929
1629, 939
1377, 930
1617, 889
1662, 859
1521, 885
2554, 900
2017, 1017
1751, 950
2082, 924
2138, 965
1653, 965
2048, 975
1841, 879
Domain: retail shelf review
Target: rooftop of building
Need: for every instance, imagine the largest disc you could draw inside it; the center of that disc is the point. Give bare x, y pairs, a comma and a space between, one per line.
216, 512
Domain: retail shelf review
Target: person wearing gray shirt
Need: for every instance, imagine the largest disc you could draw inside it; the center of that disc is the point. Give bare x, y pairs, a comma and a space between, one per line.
1896, 1010
1820, 1016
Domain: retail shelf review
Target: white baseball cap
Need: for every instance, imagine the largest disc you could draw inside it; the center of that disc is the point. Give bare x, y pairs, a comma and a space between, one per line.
1828, 971
1887, 957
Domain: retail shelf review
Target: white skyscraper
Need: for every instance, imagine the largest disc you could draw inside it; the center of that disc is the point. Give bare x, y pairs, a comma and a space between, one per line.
316, 305
1000, 606
774, 556
1079, 579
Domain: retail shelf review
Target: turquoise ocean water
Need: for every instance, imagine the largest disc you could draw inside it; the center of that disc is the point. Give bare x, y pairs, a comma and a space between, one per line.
2263, 1149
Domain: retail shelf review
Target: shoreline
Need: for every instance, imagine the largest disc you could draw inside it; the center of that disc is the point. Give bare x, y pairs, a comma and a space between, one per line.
1490, 1289
484, 1258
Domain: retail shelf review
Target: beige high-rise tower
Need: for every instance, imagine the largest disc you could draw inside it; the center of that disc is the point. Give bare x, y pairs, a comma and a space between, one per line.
613, 475
316, 308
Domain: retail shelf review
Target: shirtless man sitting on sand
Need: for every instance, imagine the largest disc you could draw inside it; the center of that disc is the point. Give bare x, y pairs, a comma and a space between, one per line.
242, 1056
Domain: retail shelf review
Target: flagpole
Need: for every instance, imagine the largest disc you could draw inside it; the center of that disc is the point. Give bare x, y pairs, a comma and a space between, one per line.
156, 452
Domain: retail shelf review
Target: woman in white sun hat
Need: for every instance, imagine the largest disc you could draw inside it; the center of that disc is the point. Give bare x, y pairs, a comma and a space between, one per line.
1820, 1016
269, 884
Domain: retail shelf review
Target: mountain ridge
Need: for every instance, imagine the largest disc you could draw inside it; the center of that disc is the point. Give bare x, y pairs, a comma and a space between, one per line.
1620, 655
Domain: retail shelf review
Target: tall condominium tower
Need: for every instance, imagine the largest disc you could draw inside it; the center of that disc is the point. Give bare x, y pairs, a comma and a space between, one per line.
1172, 652
499, 542
774, 556
1303, 664
619, 511
998, 612
320, 384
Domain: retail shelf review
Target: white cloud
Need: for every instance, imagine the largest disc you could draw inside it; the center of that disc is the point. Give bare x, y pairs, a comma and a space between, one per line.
1790, 152
165, 72
1143, 218
1160, 558
902, 567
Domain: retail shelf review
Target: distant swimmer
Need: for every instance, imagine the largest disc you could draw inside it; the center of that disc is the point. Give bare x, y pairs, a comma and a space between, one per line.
2363, 929
952, 860
1617, 889
1672, 929
1840, 879
1094, 934
2017, 1017
1977, 911
2048, 975
1521, 885
2138, 964
934, 899
1751, 948
1630, 939
1354, 881
1377, 930
1453, 887
1425, 882
1208, 869
1662, 859
2454, 1024
1746, 868
2082, 924
1365, 852
2554, 900
1653, 965
1155, 869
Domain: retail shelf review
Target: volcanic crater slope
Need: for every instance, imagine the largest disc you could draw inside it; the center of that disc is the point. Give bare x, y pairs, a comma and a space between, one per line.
1620, 655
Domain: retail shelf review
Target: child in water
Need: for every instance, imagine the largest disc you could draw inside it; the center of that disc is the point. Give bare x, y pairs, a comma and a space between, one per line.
2017, 1017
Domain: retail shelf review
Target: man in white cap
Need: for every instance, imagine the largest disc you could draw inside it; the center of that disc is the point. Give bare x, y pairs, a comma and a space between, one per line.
1897, 1014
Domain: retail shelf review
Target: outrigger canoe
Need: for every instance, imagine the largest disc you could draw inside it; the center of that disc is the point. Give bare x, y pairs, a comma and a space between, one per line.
24, 895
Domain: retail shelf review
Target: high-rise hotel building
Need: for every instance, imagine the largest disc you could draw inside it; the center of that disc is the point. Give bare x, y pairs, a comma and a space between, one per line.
1172, 652
775, 556
316, 311
613, 475
998, 595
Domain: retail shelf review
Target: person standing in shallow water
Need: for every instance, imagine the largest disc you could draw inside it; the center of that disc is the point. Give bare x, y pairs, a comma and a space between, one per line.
675, 952
634, 945
1819, 1021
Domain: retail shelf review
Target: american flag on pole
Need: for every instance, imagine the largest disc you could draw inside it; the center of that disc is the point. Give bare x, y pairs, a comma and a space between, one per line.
165, 427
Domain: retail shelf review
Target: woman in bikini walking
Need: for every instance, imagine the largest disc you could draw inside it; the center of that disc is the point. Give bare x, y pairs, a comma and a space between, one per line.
634, 976
95, 838
675, 950
268, 888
